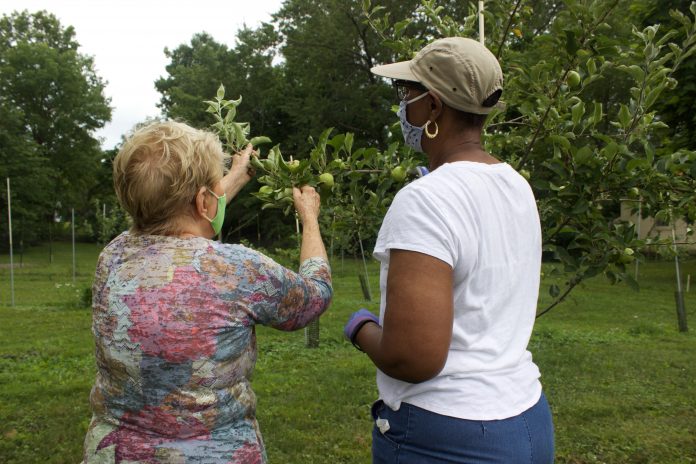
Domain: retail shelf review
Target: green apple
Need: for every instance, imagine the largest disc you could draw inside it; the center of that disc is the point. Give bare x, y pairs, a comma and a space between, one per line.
326, 180
627, 256
398, 174
294, 165
573, 79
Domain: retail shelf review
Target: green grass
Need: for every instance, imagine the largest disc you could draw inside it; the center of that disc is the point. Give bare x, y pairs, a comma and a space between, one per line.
620, 378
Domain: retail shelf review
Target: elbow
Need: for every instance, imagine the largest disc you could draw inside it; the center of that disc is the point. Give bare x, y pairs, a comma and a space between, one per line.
423, 374
322, 294
418, 369
328, 295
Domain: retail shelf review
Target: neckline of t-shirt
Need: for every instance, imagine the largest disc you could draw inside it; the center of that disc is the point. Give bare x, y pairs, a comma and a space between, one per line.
478, 165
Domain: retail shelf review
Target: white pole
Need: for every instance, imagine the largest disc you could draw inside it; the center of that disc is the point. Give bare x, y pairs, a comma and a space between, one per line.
640, 219
73, 245
480, 6
104, 222
9, 222
678, 295
688, 282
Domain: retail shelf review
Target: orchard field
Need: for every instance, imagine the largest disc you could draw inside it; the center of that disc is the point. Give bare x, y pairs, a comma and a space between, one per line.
618, 374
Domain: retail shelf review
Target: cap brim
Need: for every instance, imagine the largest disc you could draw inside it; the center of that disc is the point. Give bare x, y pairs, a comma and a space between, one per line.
400, 70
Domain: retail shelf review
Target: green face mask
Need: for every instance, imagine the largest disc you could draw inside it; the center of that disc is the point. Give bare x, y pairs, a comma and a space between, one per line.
219, 218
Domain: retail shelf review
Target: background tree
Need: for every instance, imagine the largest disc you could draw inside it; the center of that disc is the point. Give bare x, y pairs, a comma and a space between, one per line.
328, 51
51, 102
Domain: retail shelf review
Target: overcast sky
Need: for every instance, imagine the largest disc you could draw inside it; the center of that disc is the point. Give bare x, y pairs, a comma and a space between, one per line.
127, 40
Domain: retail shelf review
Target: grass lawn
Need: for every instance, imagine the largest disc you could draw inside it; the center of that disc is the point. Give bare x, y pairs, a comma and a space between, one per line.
620, 379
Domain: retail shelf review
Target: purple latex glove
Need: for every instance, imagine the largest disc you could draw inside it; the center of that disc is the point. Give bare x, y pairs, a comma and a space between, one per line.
355, 323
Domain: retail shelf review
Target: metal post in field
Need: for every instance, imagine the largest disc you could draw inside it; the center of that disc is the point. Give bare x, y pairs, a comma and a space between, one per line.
678, 295
367, 291
73, 244
640, 219
481, 22
9, 222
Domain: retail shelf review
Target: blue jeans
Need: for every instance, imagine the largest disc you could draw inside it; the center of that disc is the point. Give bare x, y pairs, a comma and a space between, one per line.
418, 436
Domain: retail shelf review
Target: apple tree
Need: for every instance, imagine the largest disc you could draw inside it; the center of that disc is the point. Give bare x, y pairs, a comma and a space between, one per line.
580, 122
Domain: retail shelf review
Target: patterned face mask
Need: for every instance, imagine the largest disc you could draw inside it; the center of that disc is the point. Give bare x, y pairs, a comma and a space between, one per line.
412, 134
219, 218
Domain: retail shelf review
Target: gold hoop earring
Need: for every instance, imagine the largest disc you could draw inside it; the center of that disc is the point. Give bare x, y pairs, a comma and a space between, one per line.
428, 134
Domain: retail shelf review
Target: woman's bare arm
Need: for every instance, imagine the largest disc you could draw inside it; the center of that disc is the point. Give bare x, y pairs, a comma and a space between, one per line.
413, 344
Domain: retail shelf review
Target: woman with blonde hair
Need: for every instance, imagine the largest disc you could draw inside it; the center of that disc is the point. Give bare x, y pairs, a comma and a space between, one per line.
174, 312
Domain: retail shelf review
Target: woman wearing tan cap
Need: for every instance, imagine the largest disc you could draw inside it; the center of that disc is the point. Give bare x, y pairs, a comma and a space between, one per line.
460, 254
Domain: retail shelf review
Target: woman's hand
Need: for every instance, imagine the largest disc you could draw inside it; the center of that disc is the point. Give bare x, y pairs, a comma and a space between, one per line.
307, 203
240, 172
241, 166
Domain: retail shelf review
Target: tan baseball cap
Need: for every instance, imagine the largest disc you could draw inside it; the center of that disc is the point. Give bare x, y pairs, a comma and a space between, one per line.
463, 72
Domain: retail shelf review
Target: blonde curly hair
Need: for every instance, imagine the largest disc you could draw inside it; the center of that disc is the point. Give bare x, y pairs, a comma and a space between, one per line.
159, 170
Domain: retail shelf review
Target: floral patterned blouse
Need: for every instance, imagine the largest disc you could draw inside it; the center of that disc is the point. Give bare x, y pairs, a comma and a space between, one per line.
173, 322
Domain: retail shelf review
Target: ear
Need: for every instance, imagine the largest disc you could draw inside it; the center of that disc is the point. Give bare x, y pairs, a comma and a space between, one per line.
201, 207
436, 106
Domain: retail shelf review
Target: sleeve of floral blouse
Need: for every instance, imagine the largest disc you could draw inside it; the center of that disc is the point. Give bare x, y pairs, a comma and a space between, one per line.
291, 300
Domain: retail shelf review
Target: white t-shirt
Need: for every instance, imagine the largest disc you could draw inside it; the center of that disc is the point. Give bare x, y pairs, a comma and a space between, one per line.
483, 221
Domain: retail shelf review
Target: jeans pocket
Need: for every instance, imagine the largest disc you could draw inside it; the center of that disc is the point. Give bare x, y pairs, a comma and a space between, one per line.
387, 426
376, 408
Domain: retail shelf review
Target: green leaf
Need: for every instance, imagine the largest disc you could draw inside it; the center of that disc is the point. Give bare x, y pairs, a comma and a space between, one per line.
651, 97
256, 163
324, 138
400, 26
377, 9
591, 66
577, 111
583, 155
348, 143
624, 117
560, 140
610, 149
239, 139
270, 206
231, 113
221, 92
635, 163
636, 72
597, 114
260, 140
